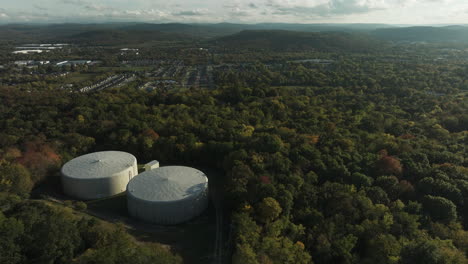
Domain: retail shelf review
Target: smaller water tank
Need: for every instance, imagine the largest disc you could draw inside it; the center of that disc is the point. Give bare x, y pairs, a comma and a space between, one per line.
168, 195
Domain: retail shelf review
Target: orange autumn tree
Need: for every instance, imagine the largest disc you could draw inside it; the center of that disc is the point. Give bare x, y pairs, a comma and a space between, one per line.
388, 165
39, 157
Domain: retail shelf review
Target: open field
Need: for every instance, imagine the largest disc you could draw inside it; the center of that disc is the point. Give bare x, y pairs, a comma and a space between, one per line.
193, 240
79, 77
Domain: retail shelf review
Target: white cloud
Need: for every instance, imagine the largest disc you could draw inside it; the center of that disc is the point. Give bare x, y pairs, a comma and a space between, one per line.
296, 11
100, 8
326, 8
75, 2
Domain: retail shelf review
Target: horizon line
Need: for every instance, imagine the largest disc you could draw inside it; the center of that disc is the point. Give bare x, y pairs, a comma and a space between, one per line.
225, 22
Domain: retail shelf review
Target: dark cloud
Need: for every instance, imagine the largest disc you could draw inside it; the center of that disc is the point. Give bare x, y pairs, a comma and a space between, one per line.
190, 13
92, 7
38, 7
239, 13
241, 10
252, 5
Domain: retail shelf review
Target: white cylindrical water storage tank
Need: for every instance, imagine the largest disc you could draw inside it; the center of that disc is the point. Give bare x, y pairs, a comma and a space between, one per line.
168, 195
98, 175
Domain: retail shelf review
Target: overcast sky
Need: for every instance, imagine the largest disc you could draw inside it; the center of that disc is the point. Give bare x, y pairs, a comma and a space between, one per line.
237, 11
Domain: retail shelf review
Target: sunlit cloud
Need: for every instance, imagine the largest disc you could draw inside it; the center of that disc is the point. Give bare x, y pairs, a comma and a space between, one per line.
246, 11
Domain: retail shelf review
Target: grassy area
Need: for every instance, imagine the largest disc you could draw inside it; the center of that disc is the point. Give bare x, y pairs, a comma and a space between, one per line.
106, 69
79, 77
69, 208
193, 240
123, 67
116, 204
137, 69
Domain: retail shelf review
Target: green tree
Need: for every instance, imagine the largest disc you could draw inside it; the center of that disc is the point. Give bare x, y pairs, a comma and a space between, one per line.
244, 254
11, 231
14, 178
432, 252
361, 180
383, 248
268, 210
439, 208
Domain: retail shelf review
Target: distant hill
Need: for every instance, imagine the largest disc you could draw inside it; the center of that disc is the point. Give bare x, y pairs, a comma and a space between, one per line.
427, 34
99, 34
116, 36
282, 40
124, 33
191, 30
225, 29
20, 33
321, 27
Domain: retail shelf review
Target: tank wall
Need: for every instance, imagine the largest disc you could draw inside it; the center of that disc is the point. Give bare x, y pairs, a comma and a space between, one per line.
95, 188
135, 168
167, 213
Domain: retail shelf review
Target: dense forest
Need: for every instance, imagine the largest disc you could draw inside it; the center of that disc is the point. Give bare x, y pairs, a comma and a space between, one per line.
131, 32
350, 158
424, 33
323, 41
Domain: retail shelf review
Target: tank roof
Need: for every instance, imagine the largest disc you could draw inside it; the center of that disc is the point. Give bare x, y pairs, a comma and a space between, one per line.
98, 164
169, 183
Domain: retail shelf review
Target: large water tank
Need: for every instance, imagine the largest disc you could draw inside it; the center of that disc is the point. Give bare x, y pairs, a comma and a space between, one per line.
99, 174
168, 195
